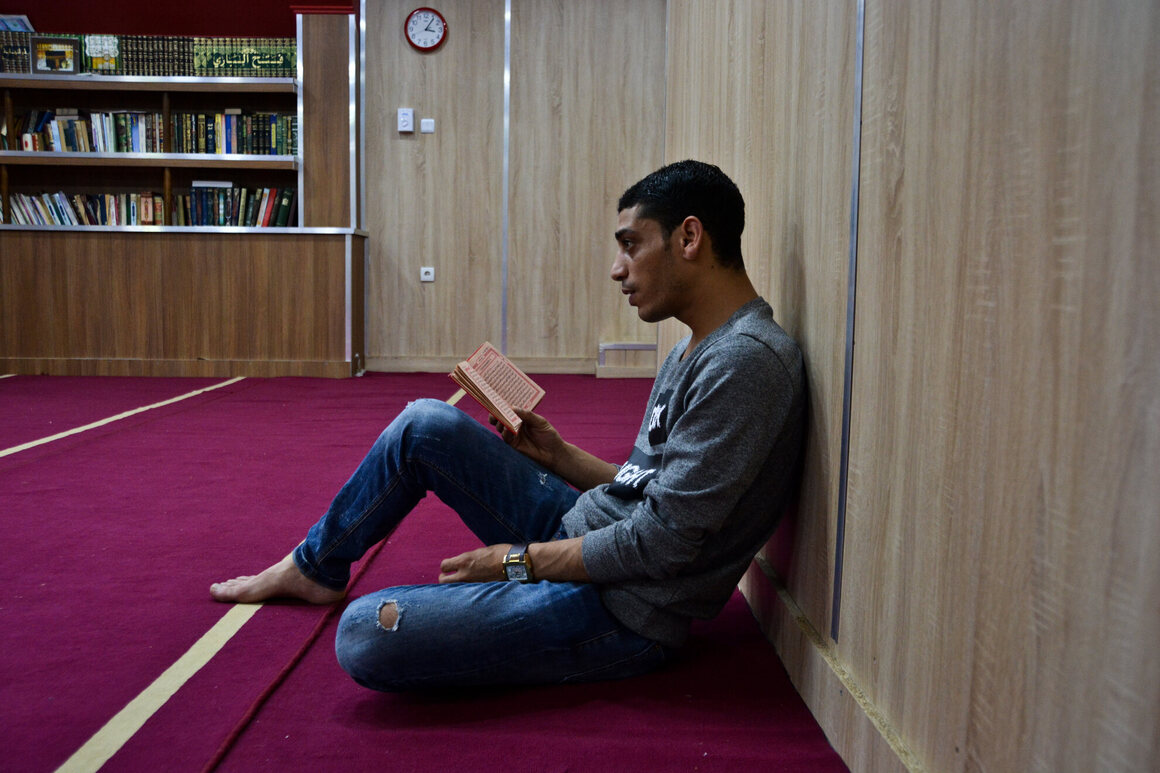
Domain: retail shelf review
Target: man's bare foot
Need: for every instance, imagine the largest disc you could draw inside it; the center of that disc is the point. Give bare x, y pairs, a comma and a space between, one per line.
282, 580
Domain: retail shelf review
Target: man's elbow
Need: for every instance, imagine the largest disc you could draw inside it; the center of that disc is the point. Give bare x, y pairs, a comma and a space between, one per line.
669, 560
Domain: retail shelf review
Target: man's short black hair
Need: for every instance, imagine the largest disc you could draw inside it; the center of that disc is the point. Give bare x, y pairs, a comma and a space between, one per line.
674, 192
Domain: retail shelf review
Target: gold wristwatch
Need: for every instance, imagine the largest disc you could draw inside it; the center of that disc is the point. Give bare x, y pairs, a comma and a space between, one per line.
517, 564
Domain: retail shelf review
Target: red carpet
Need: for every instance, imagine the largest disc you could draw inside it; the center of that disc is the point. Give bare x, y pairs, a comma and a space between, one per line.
119, 531
39, 406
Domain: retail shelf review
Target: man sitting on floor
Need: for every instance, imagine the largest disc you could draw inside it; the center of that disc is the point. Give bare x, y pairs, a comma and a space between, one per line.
590, 571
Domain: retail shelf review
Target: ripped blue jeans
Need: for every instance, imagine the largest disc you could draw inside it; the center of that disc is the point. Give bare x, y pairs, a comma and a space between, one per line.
463, 634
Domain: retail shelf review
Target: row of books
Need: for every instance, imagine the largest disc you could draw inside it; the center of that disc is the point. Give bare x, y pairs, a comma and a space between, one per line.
87, 209
221, 204
96, 132
208, 204
236, 131
156, 55
233, 131
14, 48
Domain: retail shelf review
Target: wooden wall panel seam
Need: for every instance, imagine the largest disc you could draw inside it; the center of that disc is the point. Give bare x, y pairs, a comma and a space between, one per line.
580, 126
848, 377
505, 184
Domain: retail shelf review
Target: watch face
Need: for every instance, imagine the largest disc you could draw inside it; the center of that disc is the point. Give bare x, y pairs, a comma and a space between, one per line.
517, 572
426, 29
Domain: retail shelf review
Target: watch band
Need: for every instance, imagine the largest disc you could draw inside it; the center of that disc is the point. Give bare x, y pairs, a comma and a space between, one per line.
517, 564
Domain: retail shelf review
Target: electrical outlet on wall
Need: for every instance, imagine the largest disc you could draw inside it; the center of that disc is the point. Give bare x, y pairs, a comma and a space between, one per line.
427, 274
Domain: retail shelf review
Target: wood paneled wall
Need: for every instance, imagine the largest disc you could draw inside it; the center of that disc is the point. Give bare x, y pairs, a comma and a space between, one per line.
434, 199
1000, 596
326, 131
588, 107
117, 304
586, 120
765, 90
1003, 595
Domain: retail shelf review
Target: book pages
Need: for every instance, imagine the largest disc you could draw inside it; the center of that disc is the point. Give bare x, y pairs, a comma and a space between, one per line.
497, 384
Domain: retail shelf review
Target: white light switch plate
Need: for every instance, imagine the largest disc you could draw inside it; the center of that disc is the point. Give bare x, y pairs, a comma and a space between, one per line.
406, 119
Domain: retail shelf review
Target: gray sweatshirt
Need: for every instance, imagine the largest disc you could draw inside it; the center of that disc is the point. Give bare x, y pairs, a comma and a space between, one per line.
713, 464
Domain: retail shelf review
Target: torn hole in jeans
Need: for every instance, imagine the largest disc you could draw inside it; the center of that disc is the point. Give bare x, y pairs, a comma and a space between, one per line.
389, 615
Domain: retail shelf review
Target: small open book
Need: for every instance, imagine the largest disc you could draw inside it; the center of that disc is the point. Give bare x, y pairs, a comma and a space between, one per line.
497, 384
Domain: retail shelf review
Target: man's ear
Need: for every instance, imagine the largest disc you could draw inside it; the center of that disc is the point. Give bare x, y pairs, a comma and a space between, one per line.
692, 236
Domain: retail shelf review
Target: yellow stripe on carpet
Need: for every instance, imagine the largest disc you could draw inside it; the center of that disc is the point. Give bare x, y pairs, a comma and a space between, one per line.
118, 417
118, 730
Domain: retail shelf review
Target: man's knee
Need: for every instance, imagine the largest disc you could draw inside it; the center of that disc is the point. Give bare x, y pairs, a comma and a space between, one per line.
427, 418
389, 616
362, 645
428, 410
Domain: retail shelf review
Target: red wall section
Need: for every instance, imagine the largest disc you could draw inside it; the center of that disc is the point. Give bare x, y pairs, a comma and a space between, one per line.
253, 18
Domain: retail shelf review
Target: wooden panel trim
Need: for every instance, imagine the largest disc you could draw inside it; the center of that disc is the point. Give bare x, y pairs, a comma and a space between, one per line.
533, 365
81, 366
851, 283
622, 371
853, 723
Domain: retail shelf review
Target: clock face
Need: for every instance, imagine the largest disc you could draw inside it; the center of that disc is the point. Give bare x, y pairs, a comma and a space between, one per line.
426, 29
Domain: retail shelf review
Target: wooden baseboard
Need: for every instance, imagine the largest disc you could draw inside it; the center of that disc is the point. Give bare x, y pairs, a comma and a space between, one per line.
530, 365
859, 732
78, 366
412, 364
617, 371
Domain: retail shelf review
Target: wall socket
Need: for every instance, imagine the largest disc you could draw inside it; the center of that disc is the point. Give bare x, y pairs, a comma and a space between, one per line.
427, 274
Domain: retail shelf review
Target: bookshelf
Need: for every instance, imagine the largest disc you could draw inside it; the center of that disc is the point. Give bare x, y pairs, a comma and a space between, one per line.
178, 105
180, 299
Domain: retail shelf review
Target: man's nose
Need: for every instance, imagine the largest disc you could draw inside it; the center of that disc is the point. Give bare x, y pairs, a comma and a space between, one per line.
619, 268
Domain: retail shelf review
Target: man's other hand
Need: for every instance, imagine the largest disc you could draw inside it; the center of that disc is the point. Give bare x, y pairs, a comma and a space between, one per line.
481, 565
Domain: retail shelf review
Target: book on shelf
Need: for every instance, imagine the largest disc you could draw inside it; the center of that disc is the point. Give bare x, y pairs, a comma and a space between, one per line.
232, 131
42, 209
235, 131
101, 54
67, 129
245, 57
496, 383
221, 203
15, 21
164, 55
208, 57
14, 48
155, 55
285, 205
85, 209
